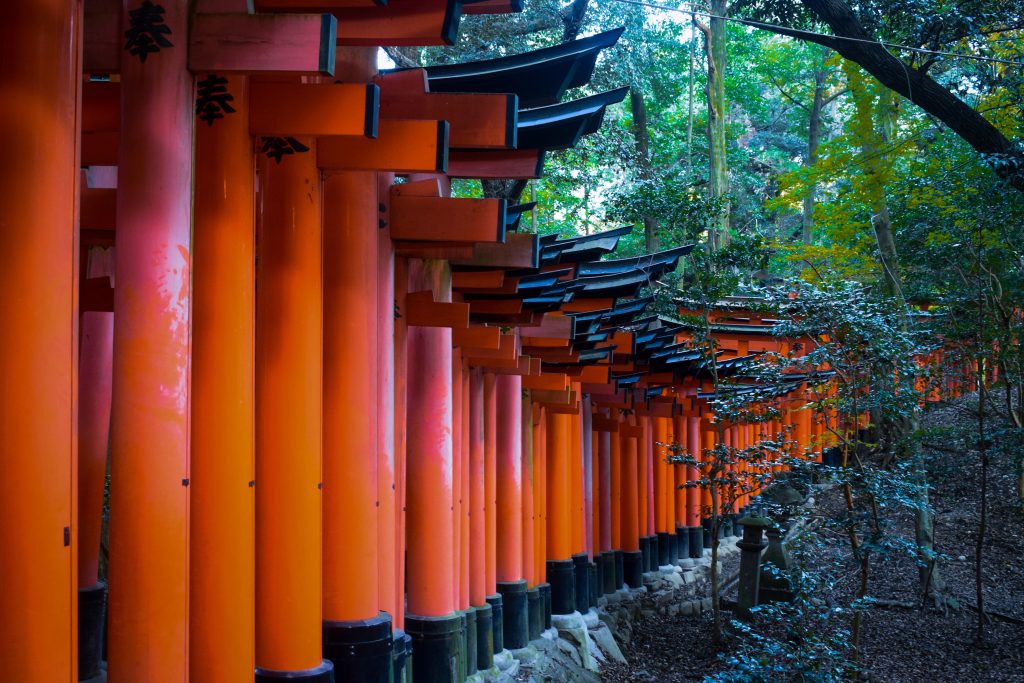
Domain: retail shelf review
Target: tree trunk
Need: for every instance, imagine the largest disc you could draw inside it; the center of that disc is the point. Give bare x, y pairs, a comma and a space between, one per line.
914, 84
642, 144
715, 49
813, 138
573, 20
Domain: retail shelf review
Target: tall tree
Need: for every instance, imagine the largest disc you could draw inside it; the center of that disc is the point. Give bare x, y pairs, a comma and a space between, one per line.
718, 173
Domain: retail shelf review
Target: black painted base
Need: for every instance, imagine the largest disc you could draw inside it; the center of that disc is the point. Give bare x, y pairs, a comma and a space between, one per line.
360, 650
461, 656
682, 542
581, 576
545, 591
734, 521
724, 527
484, 637
321, 674
435, 646
633, 566
705, 526
607, 561
673, 548
620, 569
535, 606
516, 624
497, 621
92, 609
651, 560
400, 655
645, 551
696, 542
469, 645
664, 549
595, 584
562, 577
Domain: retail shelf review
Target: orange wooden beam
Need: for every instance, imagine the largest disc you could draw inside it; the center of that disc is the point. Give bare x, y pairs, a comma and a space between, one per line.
447, 219
401, 146
297, 109
262, 43
477, 337
518, 250
487, 163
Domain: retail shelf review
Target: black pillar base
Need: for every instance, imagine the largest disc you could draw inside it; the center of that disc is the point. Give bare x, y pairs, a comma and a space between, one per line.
645, 550
497, 621
484, 637
321, 674
461, 656
595, 584
545, 592
562, 577
651, 563
360, 650
607, 560
737, 528
682, 542
664, 549
469, 642
724, 527
633, 566
696, 535
535, 606
620, 569
92, 609
705, 526
516, 624
400, 654
435, 645
581, 576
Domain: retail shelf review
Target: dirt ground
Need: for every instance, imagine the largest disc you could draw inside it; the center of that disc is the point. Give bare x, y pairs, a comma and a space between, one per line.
901, 644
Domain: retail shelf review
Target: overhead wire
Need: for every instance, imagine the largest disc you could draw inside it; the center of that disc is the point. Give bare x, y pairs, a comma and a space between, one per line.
798, 32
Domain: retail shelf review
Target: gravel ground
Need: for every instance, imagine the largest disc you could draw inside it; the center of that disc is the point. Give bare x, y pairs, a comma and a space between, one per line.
900, 644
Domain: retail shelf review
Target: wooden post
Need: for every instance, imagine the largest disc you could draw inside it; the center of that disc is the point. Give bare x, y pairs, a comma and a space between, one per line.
289, 400
356, 635
632, 557
40, 46
431, 620
222, 536
560, 571
693, 493
679, 436
478, 523
510, 583
149, 591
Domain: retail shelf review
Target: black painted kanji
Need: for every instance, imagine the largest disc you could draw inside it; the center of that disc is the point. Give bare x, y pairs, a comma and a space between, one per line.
213, 99
146, 30
276, 148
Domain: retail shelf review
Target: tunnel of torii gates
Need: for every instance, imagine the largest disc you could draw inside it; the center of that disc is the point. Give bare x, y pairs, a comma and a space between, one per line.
357, 429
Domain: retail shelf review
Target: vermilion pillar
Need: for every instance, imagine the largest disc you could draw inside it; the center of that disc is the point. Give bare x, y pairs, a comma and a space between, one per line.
587, 438
581, 570
431, 620
645, 454
94, 376
632, 557
559, 519
662, 473
148, 609
478, 522
534, 599
679, 436
491, 507
223, 517
289, 401
357, 635
40, 48
604, 458
693, 492
388, 559
709, 439
540, 502
511, 586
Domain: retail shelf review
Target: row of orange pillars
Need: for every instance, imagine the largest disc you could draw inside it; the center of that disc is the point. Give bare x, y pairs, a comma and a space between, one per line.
313, 472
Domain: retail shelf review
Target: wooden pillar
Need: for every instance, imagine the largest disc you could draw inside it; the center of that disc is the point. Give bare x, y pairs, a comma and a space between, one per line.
351, 493
148, 607
509, 570
587, 436
576, 482
401, 283
616, 486
632, 557
222, 535
388, 559
560, 571
464, 525
478, 506
604, 448
528, 512
40, 48
431, 620
490, 484
289, 400
693, 443
509, 480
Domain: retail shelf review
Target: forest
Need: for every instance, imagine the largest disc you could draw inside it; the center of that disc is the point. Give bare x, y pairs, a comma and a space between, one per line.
857, 169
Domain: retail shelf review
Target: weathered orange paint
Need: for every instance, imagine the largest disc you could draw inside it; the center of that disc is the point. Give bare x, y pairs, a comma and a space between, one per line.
457, 456
40, 48
679, 436
645, 453
661, 474
149, 588
616, 487
289, 400
575, 455
529, 444
431, 592
222, 536
388, 558
464, 529
510, 476
401, 284
670, 476
94, 388
693, 441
